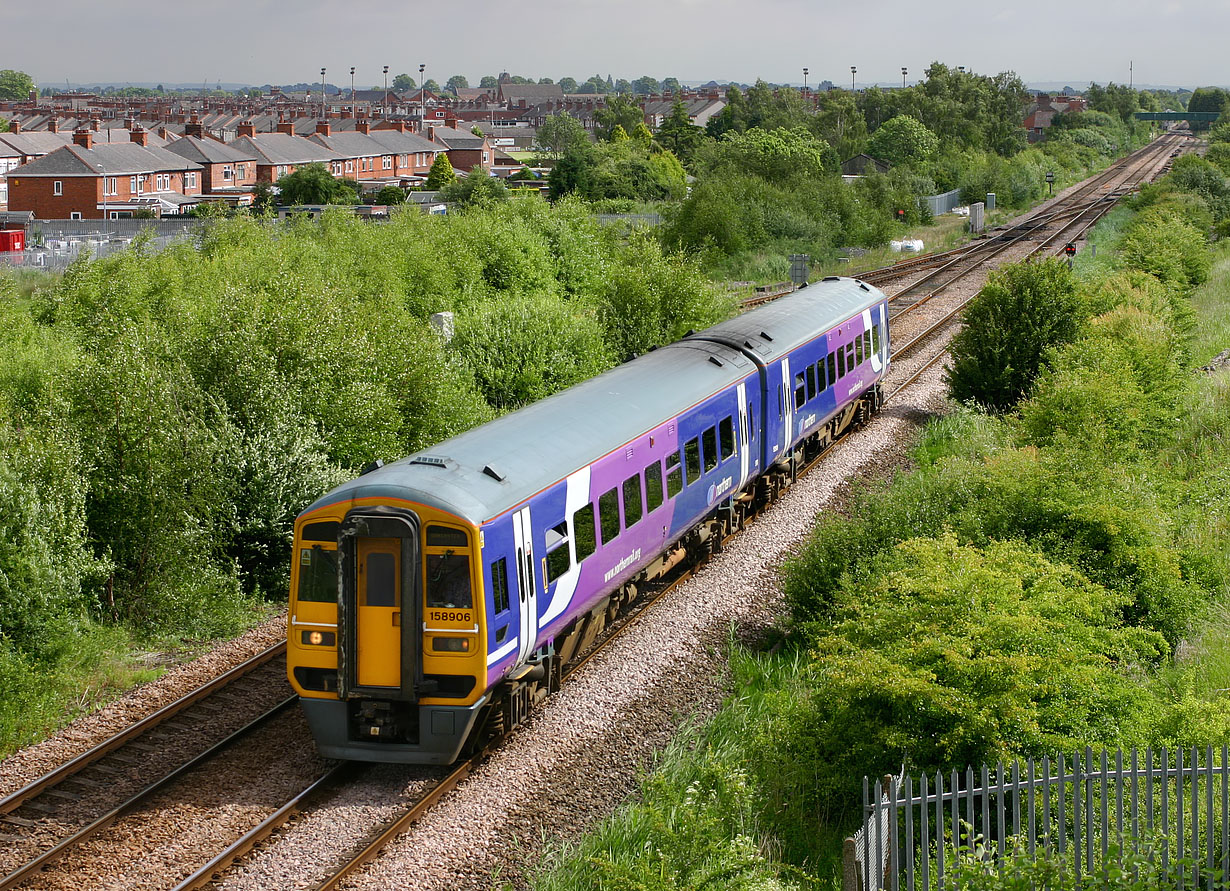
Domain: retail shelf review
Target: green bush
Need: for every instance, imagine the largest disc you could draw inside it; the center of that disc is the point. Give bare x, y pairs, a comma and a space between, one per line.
1022, 311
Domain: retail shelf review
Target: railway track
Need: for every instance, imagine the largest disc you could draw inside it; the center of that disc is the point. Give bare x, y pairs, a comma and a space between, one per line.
70, 805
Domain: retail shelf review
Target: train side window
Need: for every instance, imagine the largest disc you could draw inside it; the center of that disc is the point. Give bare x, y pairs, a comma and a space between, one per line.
499, 585
840, 353
691, 454
558, 560
849, 357
583, 531
800, 395
751, 422
632, 501
821, 383
858, 351
811, 382
674, 475
726, 437
608, 514
867, 344
875, 339
832, 363
709, 447
653, 486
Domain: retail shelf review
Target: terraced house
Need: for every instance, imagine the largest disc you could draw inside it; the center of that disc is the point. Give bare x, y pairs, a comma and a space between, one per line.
86, 180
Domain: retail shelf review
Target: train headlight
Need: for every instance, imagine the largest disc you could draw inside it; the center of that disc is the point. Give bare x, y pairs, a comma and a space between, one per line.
450, 644
319, 638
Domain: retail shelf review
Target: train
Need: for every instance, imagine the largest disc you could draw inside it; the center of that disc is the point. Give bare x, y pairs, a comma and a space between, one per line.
435, 599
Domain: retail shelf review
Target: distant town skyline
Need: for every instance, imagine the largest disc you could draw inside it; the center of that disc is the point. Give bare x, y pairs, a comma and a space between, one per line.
1175, 43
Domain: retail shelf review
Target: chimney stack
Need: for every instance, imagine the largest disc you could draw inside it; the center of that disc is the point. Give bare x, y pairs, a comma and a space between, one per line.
362, 126
139, 135
246, 128
84, 138
14, 126
194, 127
53, 125
95, 124
324, 128
287, 127
431, 134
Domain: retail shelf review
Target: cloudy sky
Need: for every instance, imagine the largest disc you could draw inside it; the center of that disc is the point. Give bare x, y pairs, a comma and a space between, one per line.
1169, 42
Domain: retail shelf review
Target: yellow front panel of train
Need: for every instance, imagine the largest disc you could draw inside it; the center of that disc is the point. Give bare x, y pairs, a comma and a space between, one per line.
379, 612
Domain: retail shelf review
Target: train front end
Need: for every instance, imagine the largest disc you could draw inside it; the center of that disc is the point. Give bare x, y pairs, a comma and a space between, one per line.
386, 632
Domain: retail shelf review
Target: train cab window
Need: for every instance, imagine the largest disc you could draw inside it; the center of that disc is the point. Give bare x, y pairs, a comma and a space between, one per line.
674, 475
608, 514
691, 454
726, 437
499, 585
558, 560
832, 365
653, 487
448, 580
583, 531
317, 575
800, 393
632, 501
858, 351
811, 382
381, 586
709, 446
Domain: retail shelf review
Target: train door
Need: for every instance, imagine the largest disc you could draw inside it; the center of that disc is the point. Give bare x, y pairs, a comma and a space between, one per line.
786, 407
745, 451
523, 539
378, 612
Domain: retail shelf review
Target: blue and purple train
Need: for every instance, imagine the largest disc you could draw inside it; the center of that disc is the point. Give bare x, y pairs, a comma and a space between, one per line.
435, 598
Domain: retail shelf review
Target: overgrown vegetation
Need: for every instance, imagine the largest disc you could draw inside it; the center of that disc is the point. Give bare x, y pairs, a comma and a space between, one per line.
163, 416
1049, 577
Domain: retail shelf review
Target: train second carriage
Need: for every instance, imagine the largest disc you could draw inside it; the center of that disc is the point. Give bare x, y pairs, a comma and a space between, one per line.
434, 598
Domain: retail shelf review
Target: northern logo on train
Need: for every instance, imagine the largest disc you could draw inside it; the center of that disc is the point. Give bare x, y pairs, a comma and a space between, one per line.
718, 490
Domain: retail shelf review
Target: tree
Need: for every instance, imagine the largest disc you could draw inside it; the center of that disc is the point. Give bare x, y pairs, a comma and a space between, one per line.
390, 195
403, 82
595, 84
622, 85
679, 134
1023, 310
671, 85
1203, 99
568, 84
573, 172
457, 82
645, 86
839, 121
545, 80
619, 111
903, 140
263, 199
559, 132
431, 86
441, 173
15, 84
478, 189
488, 82
314, 184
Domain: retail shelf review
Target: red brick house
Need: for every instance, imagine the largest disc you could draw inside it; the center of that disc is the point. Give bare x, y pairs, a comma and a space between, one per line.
108, 181
227, 173
281, 153
465, 150
371, 156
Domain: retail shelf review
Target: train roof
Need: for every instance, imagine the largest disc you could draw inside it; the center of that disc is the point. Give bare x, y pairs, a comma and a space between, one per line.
772, 331
486, 471
492, 468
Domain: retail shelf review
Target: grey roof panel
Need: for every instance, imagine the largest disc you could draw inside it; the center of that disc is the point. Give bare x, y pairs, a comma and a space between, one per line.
281, 148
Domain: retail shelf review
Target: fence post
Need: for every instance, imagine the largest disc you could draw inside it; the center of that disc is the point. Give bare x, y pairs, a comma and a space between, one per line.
851, 880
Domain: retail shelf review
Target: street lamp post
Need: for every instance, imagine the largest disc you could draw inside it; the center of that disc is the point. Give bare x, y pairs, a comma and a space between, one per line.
422, 97
903, 74
853, 71
322, 95
353, 113
804, 80
384, 99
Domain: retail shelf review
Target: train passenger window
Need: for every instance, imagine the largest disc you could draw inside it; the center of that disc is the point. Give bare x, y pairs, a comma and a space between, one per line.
849, 357
751, 422
821, 383
653, 486
444, 537
691, 453
632, 501
499, 584
558, 561
317, 575
811, 382
858, 351
832, 364
875, 339
608, 514
800, 394
583, 531
726, 435
709, 446
674, 475
867, 344
840, 354
448, 580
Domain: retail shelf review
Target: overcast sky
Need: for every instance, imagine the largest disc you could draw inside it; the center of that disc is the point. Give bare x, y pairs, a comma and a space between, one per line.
1170, 42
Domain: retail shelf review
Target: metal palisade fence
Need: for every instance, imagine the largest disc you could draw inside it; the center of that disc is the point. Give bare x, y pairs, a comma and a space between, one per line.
1090, 816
